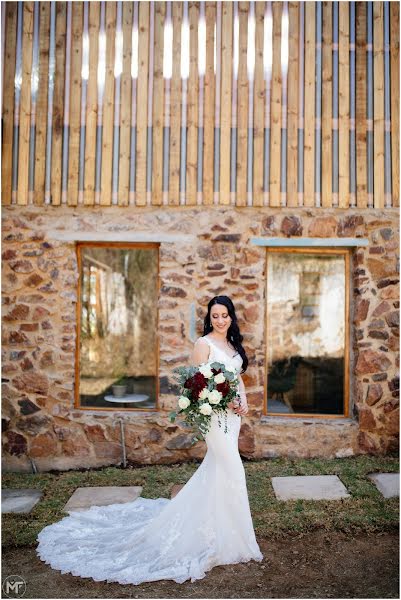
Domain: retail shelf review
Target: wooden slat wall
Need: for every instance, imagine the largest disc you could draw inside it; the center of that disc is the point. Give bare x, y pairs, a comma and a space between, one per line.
225, 120
327, 113
108, 106
208, 137
41, 109
75, 102
25, 106
309, 123
258, 106
153, 58
343, 105
292, 112
125, 115
158, 106
175, 111
58, 99
242, 114
275, 127
192, 104
8, 102
91, 104
395, 99
378, 78
360, 14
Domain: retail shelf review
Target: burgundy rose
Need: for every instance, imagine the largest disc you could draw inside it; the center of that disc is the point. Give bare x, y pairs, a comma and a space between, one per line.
196, 383
223, 388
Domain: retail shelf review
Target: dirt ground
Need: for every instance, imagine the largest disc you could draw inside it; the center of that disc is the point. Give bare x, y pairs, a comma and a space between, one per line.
314, 565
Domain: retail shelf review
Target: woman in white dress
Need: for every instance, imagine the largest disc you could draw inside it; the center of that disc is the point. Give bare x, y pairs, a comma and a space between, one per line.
208, 523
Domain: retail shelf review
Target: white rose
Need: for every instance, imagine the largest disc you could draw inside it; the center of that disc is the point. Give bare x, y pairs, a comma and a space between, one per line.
206, 409
183, 402
220, 378
204, 394
215, 397
206, 371
231, 369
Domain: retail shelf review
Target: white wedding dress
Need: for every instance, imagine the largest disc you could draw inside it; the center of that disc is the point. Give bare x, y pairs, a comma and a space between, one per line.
208, 523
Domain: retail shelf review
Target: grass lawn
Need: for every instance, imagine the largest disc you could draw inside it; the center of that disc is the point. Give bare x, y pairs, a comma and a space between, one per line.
364, 511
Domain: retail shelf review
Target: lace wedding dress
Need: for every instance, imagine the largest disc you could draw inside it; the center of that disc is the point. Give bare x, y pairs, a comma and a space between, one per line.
208, 523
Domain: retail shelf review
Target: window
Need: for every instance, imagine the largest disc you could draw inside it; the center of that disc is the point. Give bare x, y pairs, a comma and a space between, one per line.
117, 353
307, 331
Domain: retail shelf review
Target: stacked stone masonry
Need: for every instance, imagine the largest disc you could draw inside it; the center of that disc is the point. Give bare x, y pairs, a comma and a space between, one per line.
203, 252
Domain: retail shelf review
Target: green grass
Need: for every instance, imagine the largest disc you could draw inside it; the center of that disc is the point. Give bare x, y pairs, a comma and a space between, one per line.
364, 511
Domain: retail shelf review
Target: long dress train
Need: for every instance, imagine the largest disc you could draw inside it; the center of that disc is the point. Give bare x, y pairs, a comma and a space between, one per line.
208, 523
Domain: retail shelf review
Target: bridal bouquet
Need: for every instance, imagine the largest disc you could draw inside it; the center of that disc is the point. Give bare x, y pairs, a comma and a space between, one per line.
204, 390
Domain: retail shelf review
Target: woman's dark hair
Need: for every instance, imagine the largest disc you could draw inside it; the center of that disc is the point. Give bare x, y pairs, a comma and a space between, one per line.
233, 333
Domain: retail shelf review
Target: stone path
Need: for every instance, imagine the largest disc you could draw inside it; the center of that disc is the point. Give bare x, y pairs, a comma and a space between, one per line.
86, 497
388, 484
19, 501
309, 487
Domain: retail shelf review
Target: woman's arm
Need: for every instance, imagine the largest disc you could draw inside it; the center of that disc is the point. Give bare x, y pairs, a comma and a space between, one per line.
200, 352
243, 408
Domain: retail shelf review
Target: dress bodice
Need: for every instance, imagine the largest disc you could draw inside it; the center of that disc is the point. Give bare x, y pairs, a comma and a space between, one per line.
220, 355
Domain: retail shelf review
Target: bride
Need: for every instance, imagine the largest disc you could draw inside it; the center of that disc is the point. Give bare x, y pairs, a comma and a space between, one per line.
208, 523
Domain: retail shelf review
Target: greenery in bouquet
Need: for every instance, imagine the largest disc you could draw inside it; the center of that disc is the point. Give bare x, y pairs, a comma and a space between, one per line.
203, 390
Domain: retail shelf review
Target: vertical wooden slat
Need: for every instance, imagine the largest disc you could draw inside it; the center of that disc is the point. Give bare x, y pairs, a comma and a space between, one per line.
309, 143
275, 127
58, 103
259, 106
75, 102
41, 108
8, 101
343, 105
108, 106
395, 99
192, 105
125, 115
292, 108
208, 137
360, 15
378, 66
242, 119
91, 104
142, 102
327, 91
158, 105
226, 80
25, 106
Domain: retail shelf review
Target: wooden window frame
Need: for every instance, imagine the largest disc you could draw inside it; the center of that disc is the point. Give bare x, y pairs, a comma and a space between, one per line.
346, 252
130, 245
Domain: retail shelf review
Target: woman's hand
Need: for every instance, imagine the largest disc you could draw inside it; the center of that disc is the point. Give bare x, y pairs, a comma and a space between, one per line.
242, 409
239, 406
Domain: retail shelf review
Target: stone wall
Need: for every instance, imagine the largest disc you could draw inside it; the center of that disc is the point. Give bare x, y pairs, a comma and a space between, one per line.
203, 252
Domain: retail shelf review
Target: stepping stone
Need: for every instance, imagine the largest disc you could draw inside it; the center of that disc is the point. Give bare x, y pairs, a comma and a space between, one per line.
175, 489
388, 484
85, 497
19, 501
309, 487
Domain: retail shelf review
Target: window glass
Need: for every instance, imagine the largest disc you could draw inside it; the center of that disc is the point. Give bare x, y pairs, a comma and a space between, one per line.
306, 340
118, 326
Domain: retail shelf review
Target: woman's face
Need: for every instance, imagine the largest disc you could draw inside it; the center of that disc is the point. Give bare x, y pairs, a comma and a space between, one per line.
220, 318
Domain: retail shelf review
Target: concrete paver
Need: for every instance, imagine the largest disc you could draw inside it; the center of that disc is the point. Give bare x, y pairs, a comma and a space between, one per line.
19, 500
388, 484
309, 487
85, 497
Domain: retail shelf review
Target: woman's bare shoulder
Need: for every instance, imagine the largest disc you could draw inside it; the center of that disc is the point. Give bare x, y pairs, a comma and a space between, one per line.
201, 342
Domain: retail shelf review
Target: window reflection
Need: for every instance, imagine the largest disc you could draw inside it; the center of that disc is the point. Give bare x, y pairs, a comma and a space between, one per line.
118, 326
306, 332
